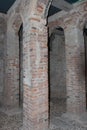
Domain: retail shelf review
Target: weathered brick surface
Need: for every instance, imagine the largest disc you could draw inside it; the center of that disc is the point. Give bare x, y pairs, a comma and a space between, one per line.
76, 17
11, 97
3, 28
35, 62
57, 65
35, 77
75, 75
73, 24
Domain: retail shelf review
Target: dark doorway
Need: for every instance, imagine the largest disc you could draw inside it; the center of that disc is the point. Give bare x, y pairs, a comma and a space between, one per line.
57, 73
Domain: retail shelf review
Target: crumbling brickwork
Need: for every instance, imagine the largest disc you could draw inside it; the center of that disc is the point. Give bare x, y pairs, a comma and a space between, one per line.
35, 62
73, 24
30, 13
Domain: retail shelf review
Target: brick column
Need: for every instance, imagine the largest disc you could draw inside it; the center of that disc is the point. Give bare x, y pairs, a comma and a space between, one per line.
75, 71
35, 82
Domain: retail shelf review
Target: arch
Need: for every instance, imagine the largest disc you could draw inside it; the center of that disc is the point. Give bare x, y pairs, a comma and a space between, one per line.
52, 32
57, 73
47, 8
15, 22
58, 28
82, 21
52, 29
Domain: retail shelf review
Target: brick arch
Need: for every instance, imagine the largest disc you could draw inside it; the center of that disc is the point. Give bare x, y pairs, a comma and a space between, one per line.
57, 23
34, 7
82, 21
52, 28
44, 6
15, 22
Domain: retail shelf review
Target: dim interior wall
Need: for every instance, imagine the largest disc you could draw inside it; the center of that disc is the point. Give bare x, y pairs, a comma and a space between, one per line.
57, 67
3, 28
85, 45
75, 62
11, 90
73, 23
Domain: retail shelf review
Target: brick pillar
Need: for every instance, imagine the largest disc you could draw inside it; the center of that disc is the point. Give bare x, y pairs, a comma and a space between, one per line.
75, 71
35, 79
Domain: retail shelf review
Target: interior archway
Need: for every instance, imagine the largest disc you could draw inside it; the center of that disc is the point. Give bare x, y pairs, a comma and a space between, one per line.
57, 73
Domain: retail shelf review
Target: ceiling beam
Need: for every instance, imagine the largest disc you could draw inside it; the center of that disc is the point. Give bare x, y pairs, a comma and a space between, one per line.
62, 4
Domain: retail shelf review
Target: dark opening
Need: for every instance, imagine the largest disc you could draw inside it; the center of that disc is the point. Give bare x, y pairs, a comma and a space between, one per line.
57, 73
85, 45
20, 33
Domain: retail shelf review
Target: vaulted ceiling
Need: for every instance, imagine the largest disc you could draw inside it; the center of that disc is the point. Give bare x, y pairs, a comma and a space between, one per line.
6, 4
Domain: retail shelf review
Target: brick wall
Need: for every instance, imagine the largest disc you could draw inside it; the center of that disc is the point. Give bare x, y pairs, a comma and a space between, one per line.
75, 76
57, 66
73, 24
35, 62
11, 97
3, 28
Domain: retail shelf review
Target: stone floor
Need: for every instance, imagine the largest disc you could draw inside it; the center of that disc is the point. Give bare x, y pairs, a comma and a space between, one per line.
10, 120
57, 107
59, 119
